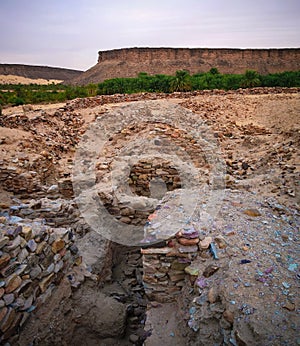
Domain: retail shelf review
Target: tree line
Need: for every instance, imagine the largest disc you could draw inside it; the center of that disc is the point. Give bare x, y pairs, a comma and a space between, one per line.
12, 94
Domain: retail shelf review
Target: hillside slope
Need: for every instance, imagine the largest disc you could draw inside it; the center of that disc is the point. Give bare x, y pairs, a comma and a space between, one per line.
38, 72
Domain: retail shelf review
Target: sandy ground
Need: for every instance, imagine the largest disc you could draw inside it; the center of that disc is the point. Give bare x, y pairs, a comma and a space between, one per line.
13, 79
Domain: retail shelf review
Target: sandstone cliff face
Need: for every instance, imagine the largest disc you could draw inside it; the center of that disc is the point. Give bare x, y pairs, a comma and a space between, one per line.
130, 61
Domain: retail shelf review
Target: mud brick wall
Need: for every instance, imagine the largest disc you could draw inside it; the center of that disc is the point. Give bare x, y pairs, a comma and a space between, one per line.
166, 269
33, 261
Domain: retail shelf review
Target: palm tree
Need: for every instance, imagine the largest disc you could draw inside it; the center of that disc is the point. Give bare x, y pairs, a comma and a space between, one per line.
250, 79
181, 81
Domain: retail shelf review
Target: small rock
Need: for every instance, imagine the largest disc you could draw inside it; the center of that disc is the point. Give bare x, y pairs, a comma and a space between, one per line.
31, 245
49, 270
252, 212
201, 282
188, 233
23, 255
204, 244
289, 306
74, 249
134, 338
3, 312
12, 283
210, 270
27, 232
4, 259
192, 270
27, 303
286, 285
9, 269
58, 266
14, 243
220, 241
12, 233
40, 247
8, 320
188, 249
188, 242
46, 282
212, 295
3, 242
52, 189
58, 245
8, 298
229, 316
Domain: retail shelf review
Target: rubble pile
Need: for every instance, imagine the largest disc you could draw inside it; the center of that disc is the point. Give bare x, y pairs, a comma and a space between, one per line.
57, 131
118, 98
261, 157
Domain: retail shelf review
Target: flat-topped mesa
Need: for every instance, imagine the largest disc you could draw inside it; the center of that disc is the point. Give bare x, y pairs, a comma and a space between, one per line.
169, 60
129, 62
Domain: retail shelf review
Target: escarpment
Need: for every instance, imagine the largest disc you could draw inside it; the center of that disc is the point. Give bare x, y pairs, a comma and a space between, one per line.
129, 62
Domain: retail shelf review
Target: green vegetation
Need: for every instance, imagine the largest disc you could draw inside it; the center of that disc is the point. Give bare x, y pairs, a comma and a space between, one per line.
19, 94
183, 81
11, 94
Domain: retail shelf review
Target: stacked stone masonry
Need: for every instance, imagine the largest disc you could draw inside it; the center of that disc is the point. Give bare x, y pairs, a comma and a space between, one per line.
144, 173
166, 268
33, 260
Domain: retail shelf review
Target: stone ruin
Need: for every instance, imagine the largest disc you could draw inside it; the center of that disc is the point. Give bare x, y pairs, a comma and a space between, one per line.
157, 176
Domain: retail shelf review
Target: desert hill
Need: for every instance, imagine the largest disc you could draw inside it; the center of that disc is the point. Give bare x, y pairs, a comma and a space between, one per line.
10, 72
129, 62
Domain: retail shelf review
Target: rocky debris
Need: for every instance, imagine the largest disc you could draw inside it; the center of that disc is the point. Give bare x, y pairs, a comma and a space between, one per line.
118, 98
260, 154
58, 131
56, 213
254, 278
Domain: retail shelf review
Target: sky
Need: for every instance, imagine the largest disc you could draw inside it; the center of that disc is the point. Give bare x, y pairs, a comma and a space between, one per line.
69, 33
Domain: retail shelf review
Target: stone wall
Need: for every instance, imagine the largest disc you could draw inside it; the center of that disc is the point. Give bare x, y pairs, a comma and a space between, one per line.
143, 178
167, 268
131, 61
33, 260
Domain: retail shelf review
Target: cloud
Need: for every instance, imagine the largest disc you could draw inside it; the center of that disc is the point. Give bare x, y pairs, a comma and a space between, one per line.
71, 32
